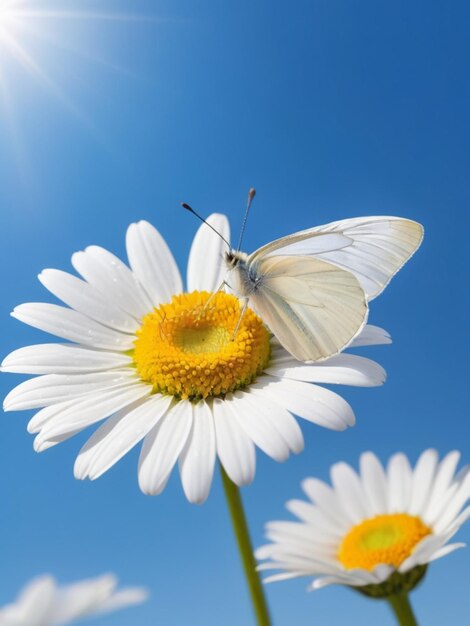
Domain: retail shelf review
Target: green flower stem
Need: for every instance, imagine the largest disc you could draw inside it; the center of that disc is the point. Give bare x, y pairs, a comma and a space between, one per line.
240, 528
401, 607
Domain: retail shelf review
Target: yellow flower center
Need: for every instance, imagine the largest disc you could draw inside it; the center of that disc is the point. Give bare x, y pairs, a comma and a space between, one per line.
188, 348
387, 539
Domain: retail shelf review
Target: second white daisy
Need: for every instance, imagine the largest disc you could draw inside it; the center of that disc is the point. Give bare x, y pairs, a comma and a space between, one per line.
376, 530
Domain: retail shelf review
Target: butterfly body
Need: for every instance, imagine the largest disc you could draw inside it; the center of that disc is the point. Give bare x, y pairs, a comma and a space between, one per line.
312, 288
245, 277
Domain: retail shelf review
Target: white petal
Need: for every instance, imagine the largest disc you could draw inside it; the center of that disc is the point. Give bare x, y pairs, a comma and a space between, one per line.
382, 572
342, 369
93, 408
299, 543
374, 483
44, 415
305, 511
252, 417
263, 552
86, 299
423, 477
80, 599
463, 517
285, 423
206, 266
285, 576
440, 509
444, 475
293, 543
328, 502
198, 456
349, 491
162, 447
33, 605
445, 550
316, 404
71, 325
353, 578
113, 279
124, 598
423, 552
152, 262
93, 597
40, 445
453, 508
362, 577
399, 476
58, 358
326, 581
321, 522
303, 566
235, 449
371, 336
118, 435
55, 388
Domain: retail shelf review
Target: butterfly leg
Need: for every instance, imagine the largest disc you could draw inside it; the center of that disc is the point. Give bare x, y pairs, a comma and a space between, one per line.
242, 313
212, 296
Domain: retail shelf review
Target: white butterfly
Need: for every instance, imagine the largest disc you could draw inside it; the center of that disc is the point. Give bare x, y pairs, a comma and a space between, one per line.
312, 288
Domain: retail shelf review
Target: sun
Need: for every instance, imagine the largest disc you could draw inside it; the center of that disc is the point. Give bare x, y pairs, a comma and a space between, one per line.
25, 22
11, 22
36, 36
8, 18
7, 9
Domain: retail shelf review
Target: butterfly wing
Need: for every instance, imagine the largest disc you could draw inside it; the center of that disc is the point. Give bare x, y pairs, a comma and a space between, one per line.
373, 248
314, 308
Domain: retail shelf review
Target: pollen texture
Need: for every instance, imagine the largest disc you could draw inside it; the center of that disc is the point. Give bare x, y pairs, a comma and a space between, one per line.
387, 539
189, 349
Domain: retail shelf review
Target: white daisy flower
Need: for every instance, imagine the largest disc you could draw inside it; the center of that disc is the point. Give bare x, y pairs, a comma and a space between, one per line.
376, 530
163, 366
43, 603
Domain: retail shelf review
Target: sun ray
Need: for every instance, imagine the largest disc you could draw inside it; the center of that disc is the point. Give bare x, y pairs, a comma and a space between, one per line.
22, 55
17, 22
87, 15
51, 39
12, 130
28, 28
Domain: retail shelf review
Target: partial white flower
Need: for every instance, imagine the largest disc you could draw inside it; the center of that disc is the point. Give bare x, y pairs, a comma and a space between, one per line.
163, 366
43, 603
376, 530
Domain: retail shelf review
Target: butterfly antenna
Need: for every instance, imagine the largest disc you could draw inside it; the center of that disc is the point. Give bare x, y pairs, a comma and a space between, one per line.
191, 210
251, 195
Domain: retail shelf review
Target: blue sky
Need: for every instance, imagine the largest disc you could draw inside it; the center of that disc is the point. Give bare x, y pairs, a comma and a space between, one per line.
331, 109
